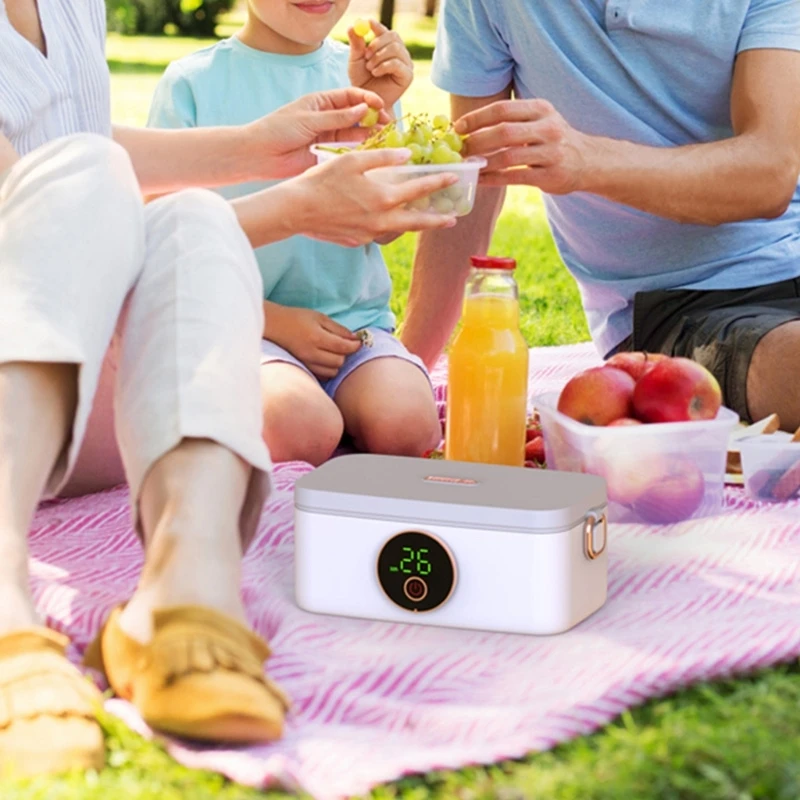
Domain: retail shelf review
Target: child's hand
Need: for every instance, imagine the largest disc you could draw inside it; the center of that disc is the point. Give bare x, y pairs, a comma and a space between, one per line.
383, 66
312, 338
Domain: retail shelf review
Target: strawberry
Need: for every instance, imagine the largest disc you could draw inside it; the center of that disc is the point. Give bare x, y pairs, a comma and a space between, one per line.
534, 449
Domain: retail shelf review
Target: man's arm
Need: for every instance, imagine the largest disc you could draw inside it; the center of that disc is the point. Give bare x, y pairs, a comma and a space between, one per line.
751, 175
8, 155
441, 263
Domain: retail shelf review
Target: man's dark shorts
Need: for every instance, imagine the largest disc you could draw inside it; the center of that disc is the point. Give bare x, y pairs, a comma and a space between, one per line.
719, 329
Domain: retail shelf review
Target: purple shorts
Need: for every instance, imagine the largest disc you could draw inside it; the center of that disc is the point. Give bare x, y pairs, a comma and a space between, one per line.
384, 345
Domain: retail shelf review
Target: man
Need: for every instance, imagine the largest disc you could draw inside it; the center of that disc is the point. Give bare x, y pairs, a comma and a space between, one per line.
666, 140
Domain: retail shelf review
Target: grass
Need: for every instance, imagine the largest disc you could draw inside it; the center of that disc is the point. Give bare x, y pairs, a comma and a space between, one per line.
727, 740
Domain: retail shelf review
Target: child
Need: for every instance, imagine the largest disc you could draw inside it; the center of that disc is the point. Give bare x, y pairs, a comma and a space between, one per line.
330, 362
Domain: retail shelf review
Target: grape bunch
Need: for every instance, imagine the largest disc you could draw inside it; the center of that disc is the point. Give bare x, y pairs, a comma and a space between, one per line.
431, 143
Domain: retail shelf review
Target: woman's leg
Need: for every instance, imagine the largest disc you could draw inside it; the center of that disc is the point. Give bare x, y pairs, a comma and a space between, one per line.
71, 235
189, 409
71, 241
389, 408
189, 427
301, 423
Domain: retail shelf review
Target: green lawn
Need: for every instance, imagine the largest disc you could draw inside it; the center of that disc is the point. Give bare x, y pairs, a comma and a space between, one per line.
730, 740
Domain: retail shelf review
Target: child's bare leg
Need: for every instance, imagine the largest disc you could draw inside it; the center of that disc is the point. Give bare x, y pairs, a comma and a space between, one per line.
301, 423
388, 408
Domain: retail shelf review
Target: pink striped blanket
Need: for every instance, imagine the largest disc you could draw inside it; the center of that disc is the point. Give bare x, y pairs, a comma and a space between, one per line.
374, 701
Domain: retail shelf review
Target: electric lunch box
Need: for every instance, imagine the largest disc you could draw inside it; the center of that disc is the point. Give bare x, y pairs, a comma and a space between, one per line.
451, 544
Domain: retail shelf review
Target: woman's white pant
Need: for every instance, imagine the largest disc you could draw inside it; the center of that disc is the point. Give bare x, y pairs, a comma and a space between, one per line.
158, 305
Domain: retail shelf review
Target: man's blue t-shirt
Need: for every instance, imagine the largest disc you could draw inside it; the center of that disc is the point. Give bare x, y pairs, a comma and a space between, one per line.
656, 72
233, 84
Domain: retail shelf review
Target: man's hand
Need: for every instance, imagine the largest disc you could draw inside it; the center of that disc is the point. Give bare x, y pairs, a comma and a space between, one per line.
279, 142
525, 142
312, 338
383, 66
750, 175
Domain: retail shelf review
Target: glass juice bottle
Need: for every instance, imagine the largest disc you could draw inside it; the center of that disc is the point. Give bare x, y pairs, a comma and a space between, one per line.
488, 370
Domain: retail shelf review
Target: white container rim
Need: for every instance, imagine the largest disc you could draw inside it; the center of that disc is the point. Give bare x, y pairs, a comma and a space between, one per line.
467, 165
764, 442
725, 419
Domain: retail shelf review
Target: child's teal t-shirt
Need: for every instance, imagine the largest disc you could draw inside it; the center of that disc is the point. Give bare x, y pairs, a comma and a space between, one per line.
233, 84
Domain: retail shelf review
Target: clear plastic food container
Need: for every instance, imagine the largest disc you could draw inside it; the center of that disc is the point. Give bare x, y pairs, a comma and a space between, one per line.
457, 199
771, 468
656, 473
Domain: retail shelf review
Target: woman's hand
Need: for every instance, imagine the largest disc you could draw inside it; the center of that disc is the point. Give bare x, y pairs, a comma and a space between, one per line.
279, 142
383, 66
526, 142
311, 337
337, 202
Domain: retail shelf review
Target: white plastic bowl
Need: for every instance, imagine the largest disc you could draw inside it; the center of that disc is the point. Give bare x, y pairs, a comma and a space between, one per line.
457, 199
771, 467
655, 473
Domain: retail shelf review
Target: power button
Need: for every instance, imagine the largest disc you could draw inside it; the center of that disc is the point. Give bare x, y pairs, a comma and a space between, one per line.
415, 589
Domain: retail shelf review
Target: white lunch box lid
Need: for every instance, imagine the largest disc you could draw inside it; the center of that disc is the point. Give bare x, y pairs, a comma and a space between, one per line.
455, 493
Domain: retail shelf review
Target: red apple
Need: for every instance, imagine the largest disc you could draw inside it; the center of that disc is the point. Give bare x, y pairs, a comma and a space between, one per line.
676, 495
635, 364
676, 390
626, 473
623, 422
598, 396
534, 450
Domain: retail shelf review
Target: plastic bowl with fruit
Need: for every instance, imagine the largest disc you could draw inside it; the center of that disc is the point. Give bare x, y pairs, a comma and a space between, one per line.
771, 467
652, 427
435, 148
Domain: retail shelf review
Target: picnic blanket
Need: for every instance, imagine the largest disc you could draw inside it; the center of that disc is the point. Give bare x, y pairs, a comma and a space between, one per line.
374, 701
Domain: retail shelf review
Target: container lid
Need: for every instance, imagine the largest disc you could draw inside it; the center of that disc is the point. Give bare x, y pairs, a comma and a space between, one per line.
450, 492
493, 262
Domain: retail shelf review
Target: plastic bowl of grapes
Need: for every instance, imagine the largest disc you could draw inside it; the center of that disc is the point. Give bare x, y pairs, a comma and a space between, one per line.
435, 149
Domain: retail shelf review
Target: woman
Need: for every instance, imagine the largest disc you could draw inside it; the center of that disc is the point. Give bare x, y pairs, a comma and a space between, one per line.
159, 307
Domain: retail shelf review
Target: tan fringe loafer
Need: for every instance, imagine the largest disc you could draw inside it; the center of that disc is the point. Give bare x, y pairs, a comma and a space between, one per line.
200, 677
48, 709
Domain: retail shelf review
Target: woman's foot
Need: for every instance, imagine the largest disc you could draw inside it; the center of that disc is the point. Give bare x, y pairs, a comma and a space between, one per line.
201, 676
181, 649
48, 709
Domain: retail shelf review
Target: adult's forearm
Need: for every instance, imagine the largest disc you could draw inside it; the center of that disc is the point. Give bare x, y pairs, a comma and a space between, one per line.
270, 215
170, 160
441, 267
736, 179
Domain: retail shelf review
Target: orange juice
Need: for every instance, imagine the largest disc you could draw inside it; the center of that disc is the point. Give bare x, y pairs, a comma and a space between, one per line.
488, 372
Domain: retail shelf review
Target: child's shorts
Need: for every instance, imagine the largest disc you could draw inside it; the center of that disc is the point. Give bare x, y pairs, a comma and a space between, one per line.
383, 345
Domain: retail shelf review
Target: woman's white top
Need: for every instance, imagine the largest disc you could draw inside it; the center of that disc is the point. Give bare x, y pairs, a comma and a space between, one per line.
66, 91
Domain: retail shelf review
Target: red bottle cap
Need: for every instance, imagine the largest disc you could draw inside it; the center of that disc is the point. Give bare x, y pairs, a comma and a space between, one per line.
492, 262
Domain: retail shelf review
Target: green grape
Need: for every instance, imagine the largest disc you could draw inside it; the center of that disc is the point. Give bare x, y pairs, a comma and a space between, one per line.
416, 153
463, 206
441, 122
454, 192
453, 141
442, 154
426, 151
442, 204
420, 204
370, 119
394, 138
361, 28
418, 136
